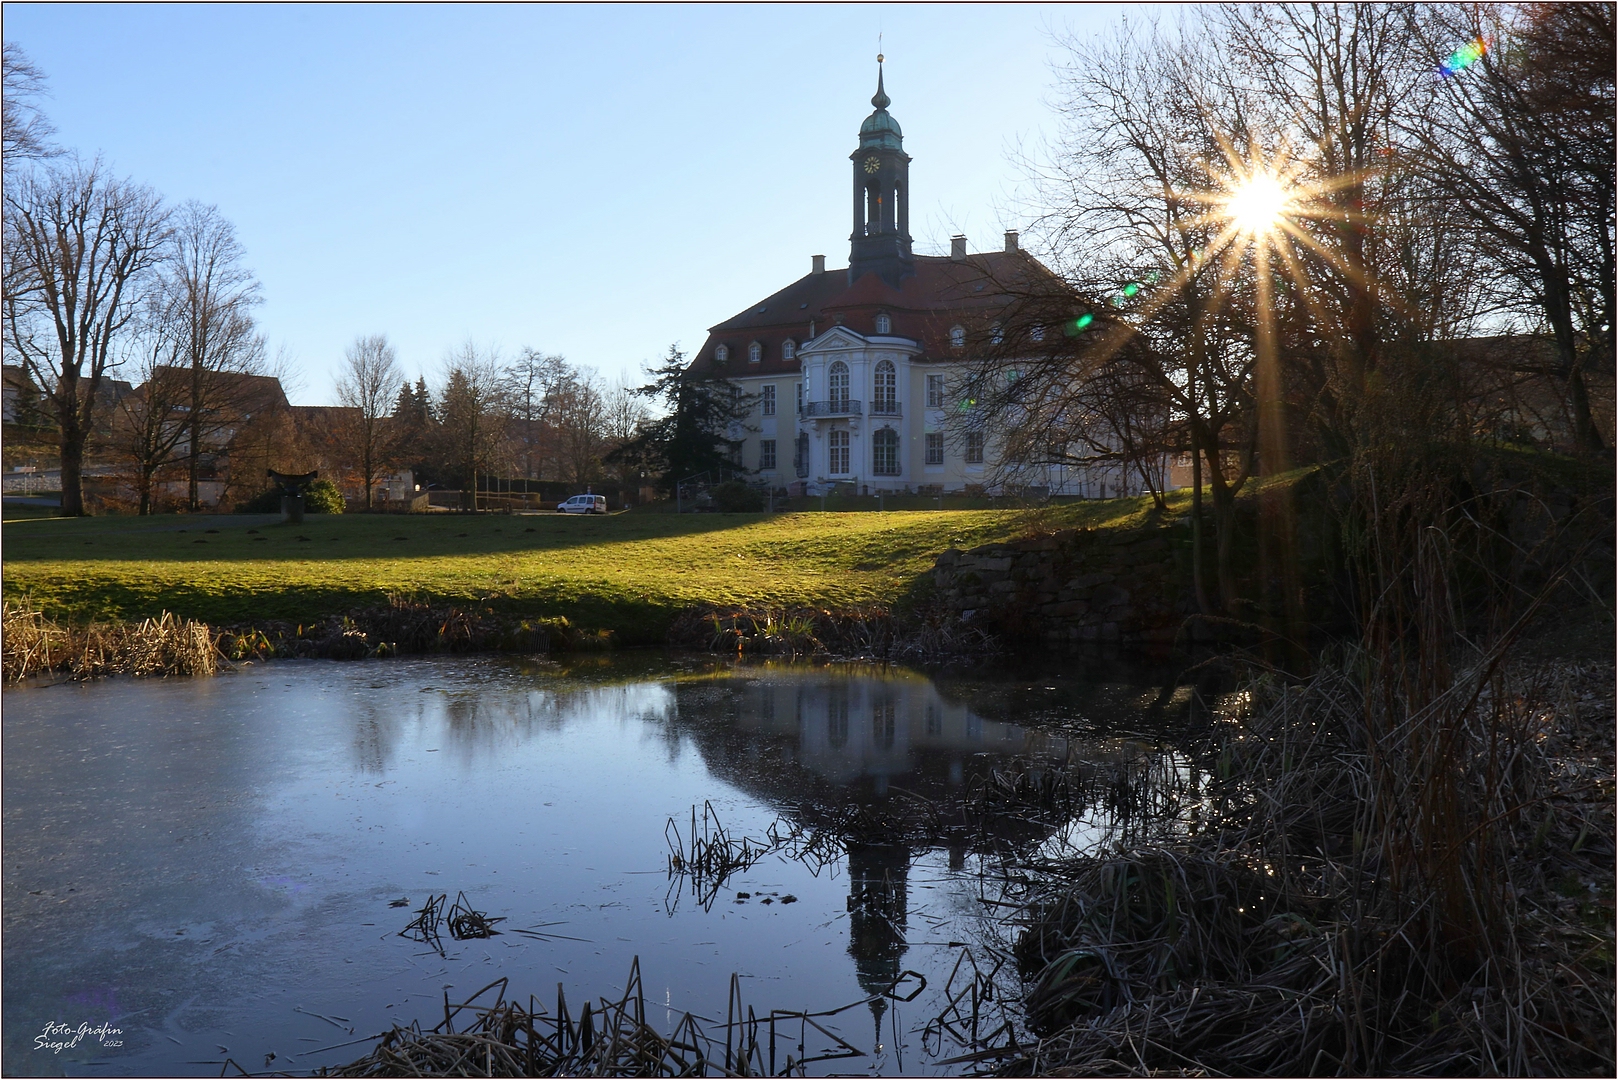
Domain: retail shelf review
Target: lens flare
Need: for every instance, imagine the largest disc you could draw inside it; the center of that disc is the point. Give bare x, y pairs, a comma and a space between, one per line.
1258, 203
1083, 321
1463, 58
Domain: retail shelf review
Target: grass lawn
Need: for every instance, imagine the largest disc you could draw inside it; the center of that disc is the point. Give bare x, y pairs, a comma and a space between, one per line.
627, 572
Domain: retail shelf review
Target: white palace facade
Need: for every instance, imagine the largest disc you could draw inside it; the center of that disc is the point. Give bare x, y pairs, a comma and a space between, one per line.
852, 373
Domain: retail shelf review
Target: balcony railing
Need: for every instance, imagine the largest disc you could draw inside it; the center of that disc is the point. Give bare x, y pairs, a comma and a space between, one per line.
839, 407
885, 408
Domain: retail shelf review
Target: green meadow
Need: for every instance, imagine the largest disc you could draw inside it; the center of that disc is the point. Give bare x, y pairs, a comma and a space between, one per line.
628, 572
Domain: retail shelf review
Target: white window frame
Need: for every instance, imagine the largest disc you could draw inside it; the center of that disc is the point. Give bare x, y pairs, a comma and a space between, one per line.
974, 448
935, 391
789, 349
755, 353
766, 455
884, 386
722, 354
766, 404
957, 336
884, 325
878, 438
838, 452
935, 448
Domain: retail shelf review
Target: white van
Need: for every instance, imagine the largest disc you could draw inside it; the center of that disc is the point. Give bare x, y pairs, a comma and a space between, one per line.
583, 504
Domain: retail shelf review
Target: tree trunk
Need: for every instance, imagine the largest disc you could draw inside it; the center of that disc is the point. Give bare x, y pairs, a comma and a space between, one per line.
72, 475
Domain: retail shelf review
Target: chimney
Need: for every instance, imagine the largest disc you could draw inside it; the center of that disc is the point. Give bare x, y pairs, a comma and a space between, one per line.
957, 247
817, 264
1011, 239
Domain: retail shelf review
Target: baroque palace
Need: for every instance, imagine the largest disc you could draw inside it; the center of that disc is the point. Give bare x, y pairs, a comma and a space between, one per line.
850, 371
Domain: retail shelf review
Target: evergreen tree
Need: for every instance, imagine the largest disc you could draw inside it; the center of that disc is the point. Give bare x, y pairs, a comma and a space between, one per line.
693, 435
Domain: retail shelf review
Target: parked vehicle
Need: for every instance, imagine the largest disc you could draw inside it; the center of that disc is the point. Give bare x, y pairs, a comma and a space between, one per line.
583, 504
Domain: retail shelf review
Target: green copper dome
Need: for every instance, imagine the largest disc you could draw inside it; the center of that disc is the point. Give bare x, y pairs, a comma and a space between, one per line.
880, 130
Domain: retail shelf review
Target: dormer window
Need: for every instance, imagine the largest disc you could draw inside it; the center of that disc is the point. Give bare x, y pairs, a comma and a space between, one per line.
957, 336
884, 325
1037, 333
789, 349
755, 353
722, 354
998, 335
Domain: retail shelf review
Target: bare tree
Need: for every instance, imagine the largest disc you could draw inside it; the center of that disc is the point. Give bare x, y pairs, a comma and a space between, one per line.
531, 381
79, 249
578, 412
27, 131
1523, 139
370, 383
472, 411
208, 296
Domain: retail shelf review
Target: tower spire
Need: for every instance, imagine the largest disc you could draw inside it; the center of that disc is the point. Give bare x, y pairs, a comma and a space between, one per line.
880, 99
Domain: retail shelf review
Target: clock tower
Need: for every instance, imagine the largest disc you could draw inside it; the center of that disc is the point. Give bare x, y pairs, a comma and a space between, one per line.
881, 237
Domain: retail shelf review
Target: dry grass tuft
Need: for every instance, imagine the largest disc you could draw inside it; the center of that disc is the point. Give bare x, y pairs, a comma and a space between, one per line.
161, 646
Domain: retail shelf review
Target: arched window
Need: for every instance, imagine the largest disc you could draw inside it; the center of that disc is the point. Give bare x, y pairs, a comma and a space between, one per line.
885, 452
957, 336
884, 325
837, 386
722, 353
755, 353
789, 349
885, 389
1037, 333
837, 457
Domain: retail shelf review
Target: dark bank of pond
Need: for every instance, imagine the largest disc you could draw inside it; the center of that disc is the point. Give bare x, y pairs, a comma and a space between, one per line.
197, 870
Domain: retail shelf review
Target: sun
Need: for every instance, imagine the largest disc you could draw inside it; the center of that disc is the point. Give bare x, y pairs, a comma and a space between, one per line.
1258, 203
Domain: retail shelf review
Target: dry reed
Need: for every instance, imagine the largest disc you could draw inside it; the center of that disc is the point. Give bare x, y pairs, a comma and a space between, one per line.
33, 644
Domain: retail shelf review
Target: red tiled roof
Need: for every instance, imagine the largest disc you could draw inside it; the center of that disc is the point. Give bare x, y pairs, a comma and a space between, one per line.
942, 293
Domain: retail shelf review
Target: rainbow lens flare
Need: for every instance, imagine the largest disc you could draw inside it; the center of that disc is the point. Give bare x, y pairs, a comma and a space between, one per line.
1463, 58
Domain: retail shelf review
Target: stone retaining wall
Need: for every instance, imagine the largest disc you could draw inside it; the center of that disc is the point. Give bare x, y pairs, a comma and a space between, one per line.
1078, 586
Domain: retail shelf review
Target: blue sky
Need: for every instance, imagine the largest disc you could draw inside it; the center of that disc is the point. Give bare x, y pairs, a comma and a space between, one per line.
594, 181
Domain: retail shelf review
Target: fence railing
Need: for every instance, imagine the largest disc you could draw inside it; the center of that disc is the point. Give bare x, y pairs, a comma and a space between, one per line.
836, 407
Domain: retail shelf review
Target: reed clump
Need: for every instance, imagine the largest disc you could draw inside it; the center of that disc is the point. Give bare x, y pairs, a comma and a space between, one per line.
1398, 864
34, 644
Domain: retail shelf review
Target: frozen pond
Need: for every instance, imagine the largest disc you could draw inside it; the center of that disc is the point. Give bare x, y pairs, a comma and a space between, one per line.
209, 866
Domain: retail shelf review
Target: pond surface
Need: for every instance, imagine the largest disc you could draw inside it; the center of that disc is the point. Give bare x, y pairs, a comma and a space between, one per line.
210, 866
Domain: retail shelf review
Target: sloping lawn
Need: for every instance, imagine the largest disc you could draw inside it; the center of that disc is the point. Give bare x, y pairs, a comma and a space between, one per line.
626, 572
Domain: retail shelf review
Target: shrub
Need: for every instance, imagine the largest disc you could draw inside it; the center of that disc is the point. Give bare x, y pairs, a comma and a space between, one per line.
320, 497
735, 497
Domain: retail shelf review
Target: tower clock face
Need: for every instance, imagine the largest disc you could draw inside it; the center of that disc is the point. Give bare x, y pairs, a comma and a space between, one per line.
872, 164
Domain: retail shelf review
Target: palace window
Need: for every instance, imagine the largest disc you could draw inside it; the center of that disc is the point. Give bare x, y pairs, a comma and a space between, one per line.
974, 448
789, 349
935, 391
800, 455
755, 353
837, 463
837, 723
885, 391
799, 388
884, 325
957, 336
722, 353
767, 400
766, 455
882, 725
998, 335
838, 386
1037, 333
935, 448
885, 452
